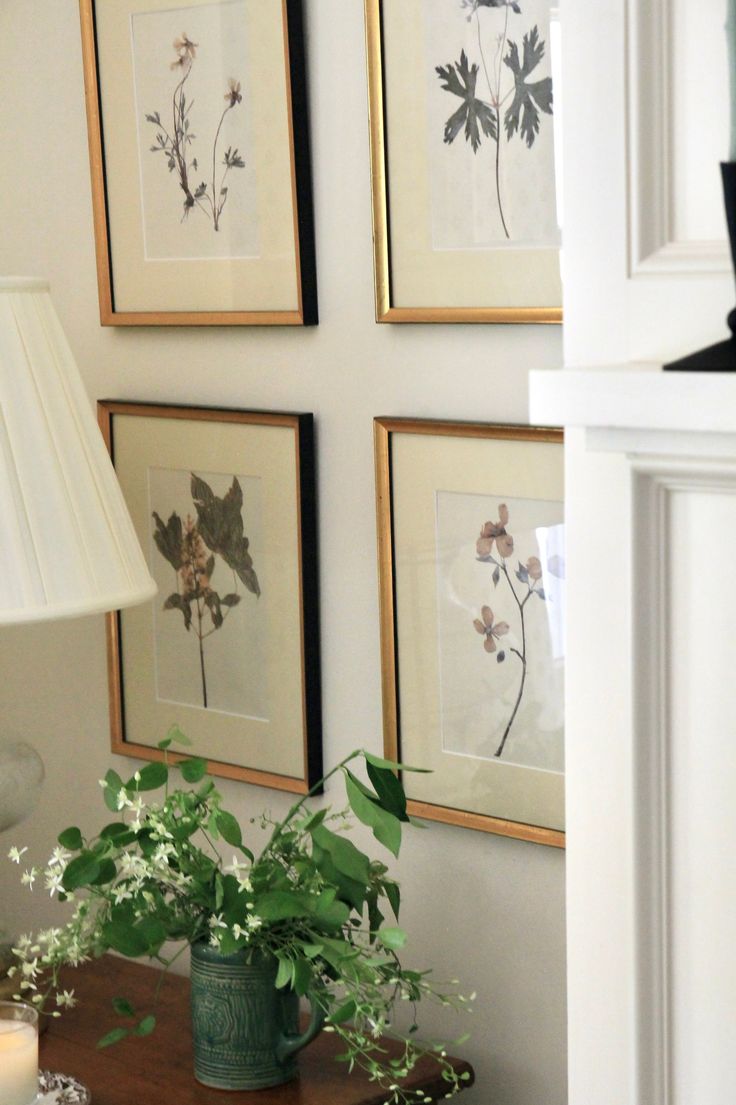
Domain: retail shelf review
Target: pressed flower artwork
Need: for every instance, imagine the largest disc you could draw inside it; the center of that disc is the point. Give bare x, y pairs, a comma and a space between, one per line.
491, 121
191, 70
209, 617
500, 595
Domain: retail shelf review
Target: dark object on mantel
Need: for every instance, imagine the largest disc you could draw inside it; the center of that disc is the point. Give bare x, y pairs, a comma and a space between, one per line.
720, 357
157, 1069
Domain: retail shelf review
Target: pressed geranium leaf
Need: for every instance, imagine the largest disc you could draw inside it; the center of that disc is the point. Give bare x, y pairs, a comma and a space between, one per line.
474, 114
220, 522
529, 99
168, 538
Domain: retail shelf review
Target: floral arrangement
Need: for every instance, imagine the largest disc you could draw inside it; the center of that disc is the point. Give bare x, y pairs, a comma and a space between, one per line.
310, 898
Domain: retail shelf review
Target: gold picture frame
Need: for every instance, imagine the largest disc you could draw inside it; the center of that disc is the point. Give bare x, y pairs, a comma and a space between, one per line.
446, 697
414, 282
208, 491
183, 247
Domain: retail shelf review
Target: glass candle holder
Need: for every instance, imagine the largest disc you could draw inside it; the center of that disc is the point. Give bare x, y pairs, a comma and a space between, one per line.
18, 1053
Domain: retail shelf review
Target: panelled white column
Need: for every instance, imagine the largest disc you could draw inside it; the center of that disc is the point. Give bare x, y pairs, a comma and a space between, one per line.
651, 732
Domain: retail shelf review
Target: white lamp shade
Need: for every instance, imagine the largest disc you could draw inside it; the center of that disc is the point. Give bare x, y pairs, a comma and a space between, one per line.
67, 544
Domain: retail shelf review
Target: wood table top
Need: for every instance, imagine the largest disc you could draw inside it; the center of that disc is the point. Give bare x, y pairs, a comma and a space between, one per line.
157, 1070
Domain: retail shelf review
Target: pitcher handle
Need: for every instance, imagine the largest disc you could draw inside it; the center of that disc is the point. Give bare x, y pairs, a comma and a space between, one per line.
289, 1045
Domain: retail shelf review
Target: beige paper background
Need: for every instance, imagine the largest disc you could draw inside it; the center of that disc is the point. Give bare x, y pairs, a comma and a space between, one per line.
422, 276
266, 452
268, 282
422, 465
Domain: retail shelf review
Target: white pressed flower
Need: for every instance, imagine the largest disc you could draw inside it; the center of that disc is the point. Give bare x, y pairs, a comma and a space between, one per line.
15, 853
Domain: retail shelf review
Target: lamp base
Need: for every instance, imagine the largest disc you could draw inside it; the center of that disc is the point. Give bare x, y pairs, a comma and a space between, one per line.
720, 357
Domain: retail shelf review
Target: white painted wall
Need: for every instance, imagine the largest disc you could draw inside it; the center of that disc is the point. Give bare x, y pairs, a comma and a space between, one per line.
483, 908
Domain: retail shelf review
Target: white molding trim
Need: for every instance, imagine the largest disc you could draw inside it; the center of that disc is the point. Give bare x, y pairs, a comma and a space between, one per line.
653, 247
653, 483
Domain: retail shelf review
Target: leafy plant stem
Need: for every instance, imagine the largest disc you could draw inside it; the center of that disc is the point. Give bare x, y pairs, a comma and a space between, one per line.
281, 827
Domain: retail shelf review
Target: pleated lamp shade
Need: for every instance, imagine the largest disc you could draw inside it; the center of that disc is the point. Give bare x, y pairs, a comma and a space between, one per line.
67, 544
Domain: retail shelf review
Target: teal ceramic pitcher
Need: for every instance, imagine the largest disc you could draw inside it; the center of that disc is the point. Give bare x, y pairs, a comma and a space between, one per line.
245, 1031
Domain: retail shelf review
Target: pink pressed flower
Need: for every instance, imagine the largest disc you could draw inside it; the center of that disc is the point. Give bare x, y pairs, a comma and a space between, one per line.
491, 632
534, 568
496, 531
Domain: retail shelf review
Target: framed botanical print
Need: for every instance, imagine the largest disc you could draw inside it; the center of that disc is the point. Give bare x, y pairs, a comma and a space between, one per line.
199, 151
223, 505
472, 589
463, 160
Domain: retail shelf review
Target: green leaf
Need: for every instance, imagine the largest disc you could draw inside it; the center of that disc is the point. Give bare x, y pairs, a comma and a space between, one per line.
281, 905
146, 1026
164, 744
386, 828
529, 99
475, 115
106, 874
350, 890
113, 1037
394, 765
114, 784
176, 736
194, 769
393, 893
285, 973
122, 1007
152, 776
219, 892
117, 832
389, 790
392, 937
343, 1013
71, 838
302, 977
124, 939
82, 871
152, 931
344, 854
229, 828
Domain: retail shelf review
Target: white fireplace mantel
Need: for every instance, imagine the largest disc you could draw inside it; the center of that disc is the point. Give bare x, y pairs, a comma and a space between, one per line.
650, 731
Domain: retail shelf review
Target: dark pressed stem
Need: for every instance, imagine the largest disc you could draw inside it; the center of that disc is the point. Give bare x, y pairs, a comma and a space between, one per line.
522, 657
200, 637
498, 171
495, 102
180, 154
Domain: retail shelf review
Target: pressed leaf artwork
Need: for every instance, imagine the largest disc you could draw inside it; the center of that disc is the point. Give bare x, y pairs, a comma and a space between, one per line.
501, 608
502, 77
176, 140
215, 580
194, 115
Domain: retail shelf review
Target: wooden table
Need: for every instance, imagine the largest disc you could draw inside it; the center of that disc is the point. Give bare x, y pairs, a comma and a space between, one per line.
157, 1070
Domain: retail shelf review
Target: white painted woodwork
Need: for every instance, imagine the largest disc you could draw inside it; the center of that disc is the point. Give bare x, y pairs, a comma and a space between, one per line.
646, 268
651, 733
